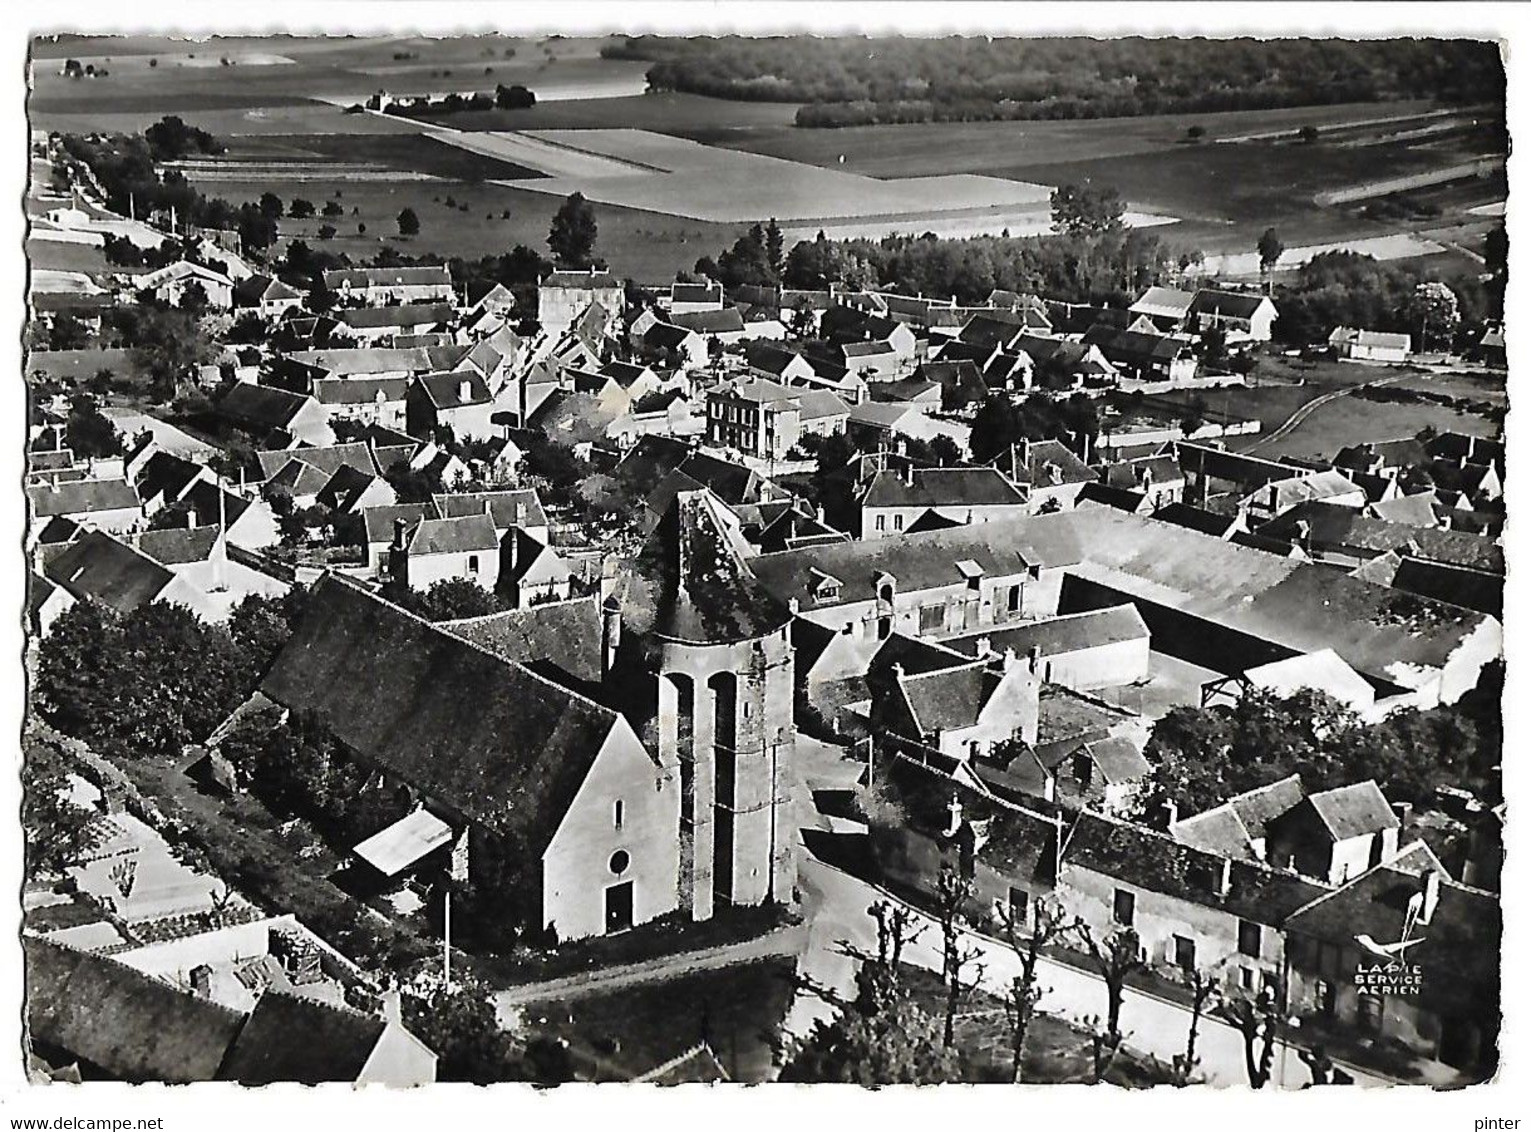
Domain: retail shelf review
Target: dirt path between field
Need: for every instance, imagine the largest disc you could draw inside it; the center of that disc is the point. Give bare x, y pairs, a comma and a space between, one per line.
1309, 408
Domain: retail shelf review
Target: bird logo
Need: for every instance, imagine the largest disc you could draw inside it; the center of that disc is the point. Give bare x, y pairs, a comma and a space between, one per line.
1392, 952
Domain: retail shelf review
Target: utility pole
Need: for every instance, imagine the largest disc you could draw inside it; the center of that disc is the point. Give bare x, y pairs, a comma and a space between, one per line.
221, 562
446, 942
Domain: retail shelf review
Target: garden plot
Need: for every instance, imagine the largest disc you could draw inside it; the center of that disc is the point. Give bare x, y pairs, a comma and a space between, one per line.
641, 169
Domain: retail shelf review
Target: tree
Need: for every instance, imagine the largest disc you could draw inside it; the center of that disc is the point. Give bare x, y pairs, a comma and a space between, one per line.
1255, 1020
1308, 135
458, 1021
326, 231
945, 452
333, 209
270, 205
1115, 958
1048, 925
1087, 210
88, 431
953, 892
257, 226
1270, 248
148, 682
1496, 250
451, 599
66, 332
572, 235
1196, 133
1434, 309
409, 223
300, 209
1204, 989
513, 97
56, 830
1195, 415
776, 250
996, 426
261, 626
882, 1036
171, 139
170, 345
1321, 1067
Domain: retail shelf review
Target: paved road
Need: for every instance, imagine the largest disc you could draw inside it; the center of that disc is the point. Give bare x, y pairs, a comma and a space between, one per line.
837, 903
787, 941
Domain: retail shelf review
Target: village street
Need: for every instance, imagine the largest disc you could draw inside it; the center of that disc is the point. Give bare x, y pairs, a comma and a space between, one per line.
836, 906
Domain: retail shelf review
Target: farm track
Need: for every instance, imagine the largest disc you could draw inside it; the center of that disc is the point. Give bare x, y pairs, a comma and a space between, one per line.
1309, 408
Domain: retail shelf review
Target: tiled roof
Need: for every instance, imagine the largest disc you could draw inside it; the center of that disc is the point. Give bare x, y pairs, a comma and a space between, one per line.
1300, 606
376, 318
81, 497
923, 561
289, 1038
328, 459
1057, 636
504, 746
178, 545
446, 390
387, 277
1349, 811
377, 522
502, 506
567, 633
1157, 862
99, 567
261, 405
453, 536
942, 487
130, 1025
1229, 304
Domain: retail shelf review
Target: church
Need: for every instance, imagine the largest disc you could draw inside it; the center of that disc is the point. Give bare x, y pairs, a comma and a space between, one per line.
588, 767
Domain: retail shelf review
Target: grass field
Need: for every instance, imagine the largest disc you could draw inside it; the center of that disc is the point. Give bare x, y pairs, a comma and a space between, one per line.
402, 152
691, 116
648, 246
188, 77
279, 100
987, 147
1346, 420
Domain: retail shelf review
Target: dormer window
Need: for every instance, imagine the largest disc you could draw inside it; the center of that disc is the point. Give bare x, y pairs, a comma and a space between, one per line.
825, 587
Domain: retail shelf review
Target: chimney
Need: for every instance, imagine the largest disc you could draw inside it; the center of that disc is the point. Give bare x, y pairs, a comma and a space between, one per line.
1171, 813
520, 512
202, 981
909, 474
792, 606
611, 633
191, 519
1034, 658
1225, 878
897, 670
1404, 812
1430, 894
1008, 660
818, 513
465, 391
399, 527
983, 646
